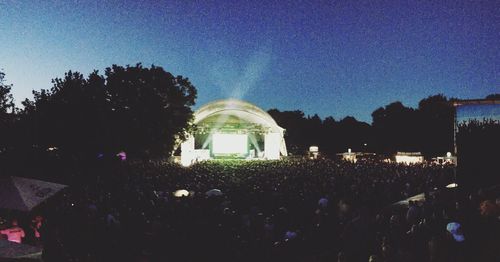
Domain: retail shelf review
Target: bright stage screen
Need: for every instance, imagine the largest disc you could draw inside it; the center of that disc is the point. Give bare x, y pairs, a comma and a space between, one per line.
229, 143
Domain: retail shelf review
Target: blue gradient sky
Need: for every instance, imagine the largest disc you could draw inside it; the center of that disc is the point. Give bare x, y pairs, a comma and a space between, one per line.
333, 58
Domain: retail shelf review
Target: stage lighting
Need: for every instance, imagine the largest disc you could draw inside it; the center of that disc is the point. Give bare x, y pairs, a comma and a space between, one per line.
229, 143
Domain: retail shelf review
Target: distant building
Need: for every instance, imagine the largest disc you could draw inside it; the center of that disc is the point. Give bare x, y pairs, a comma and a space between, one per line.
409, 157
355, 156
313, 152
447, 159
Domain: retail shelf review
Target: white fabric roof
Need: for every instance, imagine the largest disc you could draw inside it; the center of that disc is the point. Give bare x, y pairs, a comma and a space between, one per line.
238, 108
25, 193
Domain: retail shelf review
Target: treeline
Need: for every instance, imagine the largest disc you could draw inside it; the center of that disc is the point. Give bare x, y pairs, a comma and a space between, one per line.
145, 111
395, 127
139, 110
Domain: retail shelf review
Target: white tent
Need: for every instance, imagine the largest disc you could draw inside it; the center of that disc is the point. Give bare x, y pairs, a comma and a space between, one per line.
25, 193
181, 193
229, 124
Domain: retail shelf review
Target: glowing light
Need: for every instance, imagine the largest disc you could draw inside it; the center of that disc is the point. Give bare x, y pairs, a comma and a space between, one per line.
122, 155
227, 128
448, 154
181, 193
313, 149
229, 143
409, 159
253, 141
452, 185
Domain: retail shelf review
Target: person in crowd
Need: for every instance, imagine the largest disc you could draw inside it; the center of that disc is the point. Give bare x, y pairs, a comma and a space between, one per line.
14, 233
269, 210
37, 225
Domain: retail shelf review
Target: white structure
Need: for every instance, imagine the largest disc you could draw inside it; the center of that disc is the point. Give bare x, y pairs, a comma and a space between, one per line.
233, 128
351, 156
313, 152
448, 159
409, 157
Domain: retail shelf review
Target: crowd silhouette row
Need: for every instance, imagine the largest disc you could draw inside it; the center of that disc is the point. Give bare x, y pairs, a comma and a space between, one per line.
290, 210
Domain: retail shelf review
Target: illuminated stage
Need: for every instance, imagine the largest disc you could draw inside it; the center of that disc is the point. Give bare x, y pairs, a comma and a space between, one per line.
233, 129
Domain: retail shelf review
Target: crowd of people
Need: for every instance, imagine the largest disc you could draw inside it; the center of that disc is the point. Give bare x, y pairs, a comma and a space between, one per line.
288, 210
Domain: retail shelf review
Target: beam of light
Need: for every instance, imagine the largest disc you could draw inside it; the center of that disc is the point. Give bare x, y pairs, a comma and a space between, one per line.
254, 142
234, 84
253, 72
254, 69
207, 142
221, 120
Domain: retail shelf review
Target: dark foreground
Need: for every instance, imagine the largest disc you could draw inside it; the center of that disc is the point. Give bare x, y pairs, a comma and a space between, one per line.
292, 210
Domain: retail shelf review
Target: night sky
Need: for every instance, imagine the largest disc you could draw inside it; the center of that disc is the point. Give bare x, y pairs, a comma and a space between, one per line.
333, 58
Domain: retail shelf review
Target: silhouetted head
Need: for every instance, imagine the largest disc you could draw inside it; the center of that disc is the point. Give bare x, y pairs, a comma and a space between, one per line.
373, 258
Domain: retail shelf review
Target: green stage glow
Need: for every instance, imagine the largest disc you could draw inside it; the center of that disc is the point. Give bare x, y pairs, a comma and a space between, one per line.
233, 129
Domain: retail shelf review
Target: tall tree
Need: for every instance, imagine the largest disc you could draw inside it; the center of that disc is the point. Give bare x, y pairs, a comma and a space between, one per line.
436, 125
6, 112
353, 134
395, 127
133, 108
150, 108
331, 136
6, 99
294, 124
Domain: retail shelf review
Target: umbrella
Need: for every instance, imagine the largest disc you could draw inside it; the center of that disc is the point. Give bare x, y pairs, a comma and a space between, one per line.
25, 193
13, 250
452, 185
415, 198
181, 193
213, 192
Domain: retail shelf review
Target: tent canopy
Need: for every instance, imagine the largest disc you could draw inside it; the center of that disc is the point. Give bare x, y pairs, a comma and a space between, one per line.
14, 250
25, 193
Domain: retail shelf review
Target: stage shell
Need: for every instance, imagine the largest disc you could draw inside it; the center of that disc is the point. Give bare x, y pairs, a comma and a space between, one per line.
222, 125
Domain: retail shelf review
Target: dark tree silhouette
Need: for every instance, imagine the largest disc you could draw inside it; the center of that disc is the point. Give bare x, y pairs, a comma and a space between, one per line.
151, 108
136, 109
331, 136
395, 128
6, 99
293, 122
436, 125
6, 113
353, 134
